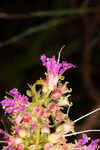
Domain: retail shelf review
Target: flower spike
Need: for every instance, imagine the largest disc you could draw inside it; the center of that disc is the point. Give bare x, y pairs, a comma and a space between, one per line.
53, 66
40, 121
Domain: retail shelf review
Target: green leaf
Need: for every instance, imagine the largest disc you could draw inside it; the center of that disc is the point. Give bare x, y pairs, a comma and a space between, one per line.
29, 93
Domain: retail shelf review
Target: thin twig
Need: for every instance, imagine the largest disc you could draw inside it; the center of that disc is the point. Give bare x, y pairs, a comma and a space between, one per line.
32, 30
55, 13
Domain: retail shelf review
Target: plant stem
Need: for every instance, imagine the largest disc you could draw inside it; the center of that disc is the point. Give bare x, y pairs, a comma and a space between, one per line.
54, 13
32, 30
37, 134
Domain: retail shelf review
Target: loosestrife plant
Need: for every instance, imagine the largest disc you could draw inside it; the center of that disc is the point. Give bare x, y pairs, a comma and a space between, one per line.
39, 121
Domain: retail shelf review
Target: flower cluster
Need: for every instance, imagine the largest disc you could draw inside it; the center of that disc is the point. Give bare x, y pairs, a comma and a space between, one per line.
15, 102
42, 123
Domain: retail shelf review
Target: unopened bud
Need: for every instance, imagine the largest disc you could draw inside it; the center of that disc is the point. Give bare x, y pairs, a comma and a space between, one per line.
22, 133
54, 138
18, 141
45, 129
65, 128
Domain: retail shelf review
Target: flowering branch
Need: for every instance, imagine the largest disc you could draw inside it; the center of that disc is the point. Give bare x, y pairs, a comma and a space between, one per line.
42, 124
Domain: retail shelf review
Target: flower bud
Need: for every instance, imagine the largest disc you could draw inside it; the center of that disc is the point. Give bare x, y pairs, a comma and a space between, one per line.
48, 146
63, 102
18, 119
45, 129
32, 147
18, 140
34, 122
20, 147
54, 138
56, 94
15, 140
65, 128
22, 133
60, 117
27, 117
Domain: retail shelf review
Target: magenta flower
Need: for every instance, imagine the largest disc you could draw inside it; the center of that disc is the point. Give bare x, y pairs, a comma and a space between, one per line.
17, 103
14, 92
7, 148
9, 110
93, 145
55, 67
7, 102
84, 139
42, 123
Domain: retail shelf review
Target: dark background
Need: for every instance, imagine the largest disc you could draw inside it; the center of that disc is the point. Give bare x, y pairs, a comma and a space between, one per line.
31, 28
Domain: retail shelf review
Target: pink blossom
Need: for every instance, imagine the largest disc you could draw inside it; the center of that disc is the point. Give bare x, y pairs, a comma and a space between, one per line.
34, 122
63, 102
52, 80
60, 117
55, 67
14, 140
55, 138
14, 92
46, 116
20, 147
84, 139
45, 129
65, 128
27, 117
18, 119
53, 108
56, 93
93, 145
36, 109
39, 111
48, 146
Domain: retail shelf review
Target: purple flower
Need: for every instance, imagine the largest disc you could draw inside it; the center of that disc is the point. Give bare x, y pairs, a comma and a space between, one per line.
55, 67
14, 92
21, 108
7, 102
9, 110
7, 148
16, 104
24, 99
84, 139
93, 145
65, 66
43, 59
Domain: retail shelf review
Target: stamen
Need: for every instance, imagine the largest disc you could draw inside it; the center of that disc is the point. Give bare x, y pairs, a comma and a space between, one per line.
69, 106
86, 115
60, 52
68, 109
3, 142
80, 132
